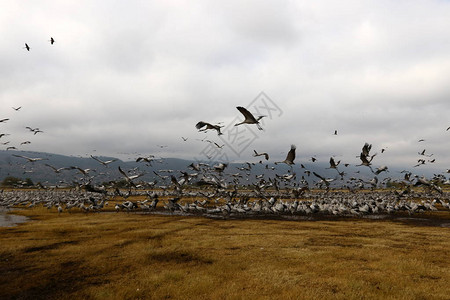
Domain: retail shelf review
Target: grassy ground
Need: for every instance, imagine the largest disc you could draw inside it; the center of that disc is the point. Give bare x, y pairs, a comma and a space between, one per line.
131, 256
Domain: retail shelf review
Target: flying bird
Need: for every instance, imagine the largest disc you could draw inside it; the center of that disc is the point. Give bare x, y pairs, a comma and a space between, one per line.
58, 170
52, 40
290, 156
3, 120
34, 130
27, 47
323, 179
17, 109
333, 164
128, 178
146, 159
207, 126
365, 157
105, 163
249, 118
30, 159
266, 155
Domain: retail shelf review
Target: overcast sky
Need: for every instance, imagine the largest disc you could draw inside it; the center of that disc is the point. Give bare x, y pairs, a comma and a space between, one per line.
126, 77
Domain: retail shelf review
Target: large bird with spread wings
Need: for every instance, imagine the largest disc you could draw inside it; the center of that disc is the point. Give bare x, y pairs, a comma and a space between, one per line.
290, 157
249, 118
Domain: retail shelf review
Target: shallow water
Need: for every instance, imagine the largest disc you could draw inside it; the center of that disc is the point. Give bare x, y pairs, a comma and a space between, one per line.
9, 220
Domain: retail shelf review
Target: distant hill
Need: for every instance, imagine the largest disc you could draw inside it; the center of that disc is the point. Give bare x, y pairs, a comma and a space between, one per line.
38, 171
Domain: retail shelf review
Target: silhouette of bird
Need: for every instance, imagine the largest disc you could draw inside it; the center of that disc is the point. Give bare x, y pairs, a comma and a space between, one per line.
249, 118
105, 163
266, 155
128, 178
333, 164
34, 130
290, 156
58, 170
148, 160
207, 126
323, 179
52, 40
27, 47
30, 159
17, 109
3, 120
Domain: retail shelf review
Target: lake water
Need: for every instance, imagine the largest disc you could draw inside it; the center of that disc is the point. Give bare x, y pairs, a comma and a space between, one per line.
9, 220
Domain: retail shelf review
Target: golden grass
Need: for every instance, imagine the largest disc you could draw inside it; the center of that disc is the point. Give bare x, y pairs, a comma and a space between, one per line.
132, 256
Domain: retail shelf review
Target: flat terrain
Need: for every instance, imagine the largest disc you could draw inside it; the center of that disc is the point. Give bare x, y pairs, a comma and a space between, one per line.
130, 256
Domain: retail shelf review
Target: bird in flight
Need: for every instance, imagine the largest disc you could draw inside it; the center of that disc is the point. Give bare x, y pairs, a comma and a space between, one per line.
333, 164
249, 118
30, 159
52, 40
58, 170
266, 155
207, 126
34, 130
365, 157
3, 120
105, 163
290, 156
27, 47
17, 109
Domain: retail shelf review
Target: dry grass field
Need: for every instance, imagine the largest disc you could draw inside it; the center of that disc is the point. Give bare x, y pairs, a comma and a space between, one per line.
143, 256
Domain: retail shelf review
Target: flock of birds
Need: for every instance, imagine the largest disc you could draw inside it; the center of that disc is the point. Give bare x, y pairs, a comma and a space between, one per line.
230, 203
208, 189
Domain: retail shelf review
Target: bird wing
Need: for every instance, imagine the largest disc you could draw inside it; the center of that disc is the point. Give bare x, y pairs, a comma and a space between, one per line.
332, 163
95, 158
123, 173
318, 176
200, 124
291, 154
248, 115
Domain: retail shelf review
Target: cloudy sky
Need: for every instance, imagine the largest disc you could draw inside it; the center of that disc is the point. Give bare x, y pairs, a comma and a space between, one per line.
127, 77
